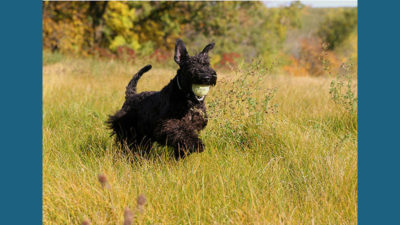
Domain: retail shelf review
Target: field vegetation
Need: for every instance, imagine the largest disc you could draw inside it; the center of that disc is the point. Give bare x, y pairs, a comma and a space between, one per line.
279, 150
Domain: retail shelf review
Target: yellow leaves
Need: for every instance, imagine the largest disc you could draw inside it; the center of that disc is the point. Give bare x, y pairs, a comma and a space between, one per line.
134, 44
65, 26
118, 41
119, 18
215, 60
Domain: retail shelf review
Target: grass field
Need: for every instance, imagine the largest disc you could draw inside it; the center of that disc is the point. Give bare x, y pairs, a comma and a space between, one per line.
279, 150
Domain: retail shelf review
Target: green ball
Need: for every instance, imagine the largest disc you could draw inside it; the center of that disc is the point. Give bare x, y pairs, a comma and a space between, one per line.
200, 89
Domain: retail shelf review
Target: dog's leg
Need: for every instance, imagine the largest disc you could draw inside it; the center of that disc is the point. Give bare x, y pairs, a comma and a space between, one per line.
180, 136
144, 145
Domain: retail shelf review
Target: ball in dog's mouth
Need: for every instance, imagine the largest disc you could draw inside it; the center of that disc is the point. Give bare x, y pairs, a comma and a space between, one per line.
200, 90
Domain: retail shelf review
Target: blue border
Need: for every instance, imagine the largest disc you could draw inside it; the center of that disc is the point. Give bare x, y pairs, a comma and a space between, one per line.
21, 112
379, 112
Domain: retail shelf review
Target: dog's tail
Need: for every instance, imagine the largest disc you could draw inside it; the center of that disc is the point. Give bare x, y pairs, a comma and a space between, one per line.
131, 88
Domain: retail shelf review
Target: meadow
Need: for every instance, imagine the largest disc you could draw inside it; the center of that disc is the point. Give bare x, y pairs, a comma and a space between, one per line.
279, 150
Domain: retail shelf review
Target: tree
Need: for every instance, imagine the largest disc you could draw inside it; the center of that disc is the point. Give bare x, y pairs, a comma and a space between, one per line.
336, 28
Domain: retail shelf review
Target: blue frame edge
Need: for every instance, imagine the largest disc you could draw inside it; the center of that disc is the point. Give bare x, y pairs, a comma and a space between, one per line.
21, 114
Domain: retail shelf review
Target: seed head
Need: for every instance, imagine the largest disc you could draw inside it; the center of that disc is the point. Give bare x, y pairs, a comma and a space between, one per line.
141, 200
103, 180
128, 216
85, 222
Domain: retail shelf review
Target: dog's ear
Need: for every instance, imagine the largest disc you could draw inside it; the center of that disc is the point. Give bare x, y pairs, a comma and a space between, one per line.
208, 48
181, 53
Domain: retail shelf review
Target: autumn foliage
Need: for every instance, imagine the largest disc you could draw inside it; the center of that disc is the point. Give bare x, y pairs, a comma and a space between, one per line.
242, 31
313, 58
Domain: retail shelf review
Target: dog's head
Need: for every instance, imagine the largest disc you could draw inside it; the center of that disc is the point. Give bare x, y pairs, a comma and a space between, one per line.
195, 75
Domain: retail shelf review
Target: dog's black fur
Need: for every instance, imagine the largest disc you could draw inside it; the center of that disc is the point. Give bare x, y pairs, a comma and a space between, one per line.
173, 116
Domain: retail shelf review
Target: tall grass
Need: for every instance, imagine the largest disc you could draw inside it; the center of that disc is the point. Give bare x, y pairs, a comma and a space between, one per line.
279, 150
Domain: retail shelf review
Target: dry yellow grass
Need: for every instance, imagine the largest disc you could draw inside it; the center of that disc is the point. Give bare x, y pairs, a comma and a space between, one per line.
291, 164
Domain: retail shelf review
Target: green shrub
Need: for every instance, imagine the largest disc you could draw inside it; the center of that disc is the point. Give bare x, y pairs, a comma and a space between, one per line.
337, 27
342, 91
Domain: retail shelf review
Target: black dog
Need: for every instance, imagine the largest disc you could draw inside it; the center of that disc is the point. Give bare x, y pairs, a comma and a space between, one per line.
173, 116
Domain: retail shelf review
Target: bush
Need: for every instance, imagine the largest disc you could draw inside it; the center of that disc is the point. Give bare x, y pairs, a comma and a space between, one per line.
337, 28
313, 59
342, 91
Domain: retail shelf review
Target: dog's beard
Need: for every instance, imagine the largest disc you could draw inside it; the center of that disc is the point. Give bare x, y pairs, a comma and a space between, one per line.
200, 90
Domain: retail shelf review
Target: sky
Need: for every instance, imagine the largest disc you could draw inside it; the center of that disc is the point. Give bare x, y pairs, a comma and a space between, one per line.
315, 3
